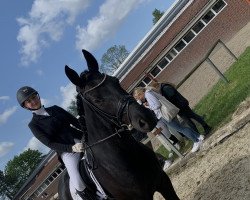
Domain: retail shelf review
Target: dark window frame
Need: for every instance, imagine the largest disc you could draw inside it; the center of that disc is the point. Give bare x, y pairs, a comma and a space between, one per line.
208, 16
163, 63
217, 9
156, 70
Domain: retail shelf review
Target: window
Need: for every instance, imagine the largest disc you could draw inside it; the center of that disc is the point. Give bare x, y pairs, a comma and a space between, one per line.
36, 193
47, 182
141, 85
146, 80
50, 178
43, 186
62, 167
180, 46
54, 175
208, 16
197, 27
218, 6
58, 171
40, 190
163, 63
173, 52
156, 70
186, 39
169, 57
190, 35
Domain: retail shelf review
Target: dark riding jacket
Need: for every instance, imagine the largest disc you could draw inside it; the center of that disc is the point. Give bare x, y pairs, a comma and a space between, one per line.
54, 130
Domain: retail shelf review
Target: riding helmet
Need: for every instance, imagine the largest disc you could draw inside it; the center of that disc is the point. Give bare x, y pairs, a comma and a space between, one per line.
24, 93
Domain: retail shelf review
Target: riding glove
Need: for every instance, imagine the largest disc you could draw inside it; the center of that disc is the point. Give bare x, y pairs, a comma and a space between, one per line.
78, 147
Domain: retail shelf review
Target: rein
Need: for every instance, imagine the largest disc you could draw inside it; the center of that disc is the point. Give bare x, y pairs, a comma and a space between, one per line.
101, 140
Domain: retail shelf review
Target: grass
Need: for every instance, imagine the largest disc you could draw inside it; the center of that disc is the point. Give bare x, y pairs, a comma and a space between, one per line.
163, 151
223, 99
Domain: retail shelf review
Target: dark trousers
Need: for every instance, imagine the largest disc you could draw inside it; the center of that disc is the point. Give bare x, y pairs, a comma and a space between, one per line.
188, 114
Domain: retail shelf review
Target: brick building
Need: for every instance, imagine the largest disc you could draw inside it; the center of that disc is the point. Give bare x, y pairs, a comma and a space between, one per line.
43, 182
180, 41
171, 51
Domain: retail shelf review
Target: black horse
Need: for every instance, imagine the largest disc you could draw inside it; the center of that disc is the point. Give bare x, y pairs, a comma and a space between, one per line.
125, 168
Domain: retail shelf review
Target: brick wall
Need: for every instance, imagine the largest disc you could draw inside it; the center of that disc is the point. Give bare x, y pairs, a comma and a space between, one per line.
224, 26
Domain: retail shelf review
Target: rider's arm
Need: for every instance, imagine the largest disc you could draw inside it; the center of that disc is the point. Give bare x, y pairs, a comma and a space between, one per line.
47, 141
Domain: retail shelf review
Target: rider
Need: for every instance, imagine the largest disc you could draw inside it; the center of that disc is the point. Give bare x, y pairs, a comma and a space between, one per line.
53, 127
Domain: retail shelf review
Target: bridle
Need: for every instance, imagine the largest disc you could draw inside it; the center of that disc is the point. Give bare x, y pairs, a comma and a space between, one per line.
123, 105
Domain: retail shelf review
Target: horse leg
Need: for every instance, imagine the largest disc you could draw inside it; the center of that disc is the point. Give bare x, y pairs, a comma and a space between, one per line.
166, 188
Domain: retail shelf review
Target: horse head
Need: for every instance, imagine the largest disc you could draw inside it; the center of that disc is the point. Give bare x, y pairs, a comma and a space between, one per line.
105, 95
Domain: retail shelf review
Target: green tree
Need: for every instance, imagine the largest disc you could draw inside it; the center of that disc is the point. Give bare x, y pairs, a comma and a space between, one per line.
4, 190
72, 107
157, 14
17, 171
113, 58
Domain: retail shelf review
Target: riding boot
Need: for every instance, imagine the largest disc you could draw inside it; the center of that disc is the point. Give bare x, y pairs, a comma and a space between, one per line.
87, 194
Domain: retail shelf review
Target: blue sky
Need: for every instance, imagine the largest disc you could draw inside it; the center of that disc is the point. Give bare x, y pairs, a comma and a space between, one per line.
39, 37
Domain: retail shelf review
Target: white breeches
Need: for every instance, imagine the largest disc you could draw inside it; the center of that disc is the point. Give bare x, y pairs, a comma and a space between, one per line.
71, 162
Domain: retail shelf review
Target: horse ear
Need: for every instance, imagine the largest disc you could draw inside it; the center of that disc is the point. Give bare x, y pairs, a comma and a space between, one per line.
73, 76
91, 61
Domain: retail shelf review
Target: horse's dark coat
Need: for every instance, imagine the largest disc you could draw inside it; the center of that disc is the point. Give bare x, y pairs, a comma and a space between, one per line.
126, 169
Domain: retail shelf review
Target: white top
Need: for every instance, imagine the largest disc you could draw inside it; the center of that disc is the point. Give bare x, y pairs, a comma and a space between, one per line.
41, 111
153, 103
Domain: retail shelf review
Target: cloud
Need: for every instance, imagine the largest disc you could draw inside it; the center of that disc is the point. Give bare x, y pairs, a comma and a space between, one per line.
39, 72
35, 144
100, 28
68, 94
4, 98
45, 102
6, 114
5, 147
46, 22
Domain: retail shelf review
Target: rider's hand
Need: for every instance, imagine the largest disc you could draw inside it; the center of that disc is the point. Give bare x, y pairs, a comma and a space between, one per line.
78, 147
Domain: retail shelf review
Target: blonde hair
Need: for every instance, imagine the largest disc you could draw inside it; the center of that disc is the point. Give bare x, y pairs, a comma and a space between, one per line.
138, 90
156, 85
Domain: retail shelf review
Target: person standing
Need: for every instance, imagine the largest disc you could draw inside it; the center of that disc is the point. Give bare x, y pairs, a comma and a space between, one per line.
149, 96
54, 127
165, 131
186, 113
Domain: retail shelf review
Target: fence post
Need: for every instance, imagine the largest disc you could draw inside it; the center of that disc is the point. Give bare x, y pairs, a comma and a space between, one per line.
166, 142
